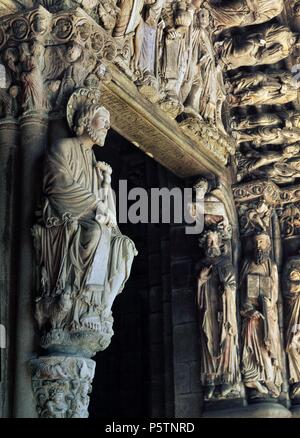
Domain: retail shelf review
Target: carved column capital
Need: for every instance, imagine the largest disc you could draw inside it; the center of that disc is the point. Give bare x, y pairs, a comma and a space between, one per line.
61, 386
48, 55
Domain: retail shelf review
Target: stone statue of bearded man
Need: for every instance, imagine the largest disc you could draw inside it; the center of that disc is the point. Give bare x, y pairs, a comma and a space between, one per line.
83, 259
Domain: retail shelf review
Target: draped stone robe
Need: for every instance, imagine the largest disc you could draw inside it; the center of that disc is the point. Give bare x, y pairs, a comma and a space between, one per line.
70, 244
218, 325
292, 317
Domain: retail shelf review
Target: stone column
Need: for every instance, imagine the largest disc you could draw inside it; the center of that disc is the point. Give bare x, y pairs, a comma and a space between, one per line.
33, 131
8, 219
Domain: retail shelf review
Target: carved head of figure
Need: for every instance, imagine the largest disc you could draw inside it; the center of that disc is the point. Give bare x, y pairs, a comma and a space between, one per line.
107, 12
262, 247
73, 52
92, 120
10, 58
294, 277
204, 18
86, 117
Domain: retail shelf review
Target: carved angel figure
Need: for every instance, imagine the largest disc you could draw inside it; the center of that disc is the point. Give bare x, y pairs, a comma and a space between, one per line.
230, 13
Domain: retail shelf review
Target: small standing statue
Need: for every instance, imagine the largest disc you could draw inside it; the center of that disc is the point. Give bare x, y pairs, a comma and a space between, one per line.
218, 322
261, 356
291, 294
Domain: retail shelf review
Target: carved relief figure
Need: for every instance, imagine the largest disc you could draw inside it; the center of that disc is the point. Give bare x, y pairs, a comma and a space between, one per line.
232, 13
152, 33
107, 13
289, 219
282, 167
84, 260
76, 64
260, 88
204, 81
267, 46
218, 324
261, 356
175, 45
291, 294
254, 121
34, 96
254, 217
255, 163
129, 22
264, 135
61, 385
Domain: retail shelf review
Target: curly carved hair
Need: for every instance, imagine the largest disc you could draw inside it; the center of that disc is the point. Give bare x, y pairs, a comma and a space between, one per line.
83, 117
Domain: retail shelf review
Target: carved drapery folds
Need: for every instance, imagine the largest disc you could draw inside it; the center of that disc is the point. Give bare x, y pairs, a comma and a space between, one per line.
83, 259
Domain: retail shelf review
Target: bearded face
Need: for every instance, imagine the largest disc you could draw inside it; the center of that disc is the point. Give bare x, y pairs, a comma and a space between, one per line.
261, 255
213, 245
99, 126
262, 249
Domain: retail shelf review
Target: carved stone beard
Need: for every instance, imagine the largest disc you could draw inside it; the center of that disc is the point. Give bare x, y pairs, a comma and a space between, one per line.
261, 255
97, 135
213, 252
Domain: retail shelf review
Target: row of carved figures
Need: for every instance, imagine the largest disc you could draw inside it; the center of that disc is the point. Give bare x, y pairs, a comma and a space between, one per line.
167, 47
254, 355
